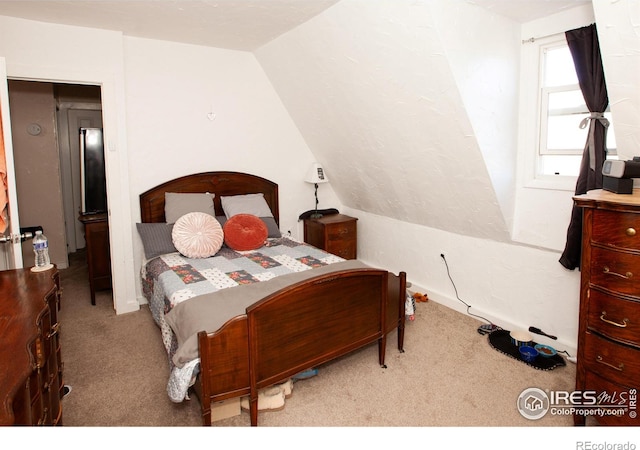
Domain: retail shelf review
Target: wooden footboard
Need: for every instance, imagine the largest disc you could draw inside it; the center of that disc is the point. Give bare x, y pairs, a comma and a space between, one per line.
298, 327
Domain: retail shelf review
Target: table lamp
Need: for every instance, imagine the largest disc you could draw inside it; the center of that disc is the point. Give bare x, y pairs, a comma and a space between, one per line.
315, 176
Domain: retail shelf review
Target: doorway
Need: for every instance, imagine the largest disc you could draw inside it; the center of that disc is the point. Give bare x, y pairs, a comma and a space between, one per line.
45, 122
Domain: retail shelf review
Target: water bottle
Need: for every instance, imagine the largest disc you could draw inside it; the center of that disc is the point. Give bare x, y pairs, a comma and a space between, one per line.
41, 249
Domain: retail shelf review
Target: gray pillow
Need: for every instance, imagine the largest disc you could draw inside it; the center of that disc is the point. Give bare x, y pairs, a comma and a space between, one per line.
156, 238
177, 204
272, 227
254, 204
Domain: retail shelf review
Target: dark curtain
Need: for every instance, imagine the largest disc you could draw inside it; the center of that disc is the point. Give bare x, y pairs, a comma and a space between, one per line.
583, 44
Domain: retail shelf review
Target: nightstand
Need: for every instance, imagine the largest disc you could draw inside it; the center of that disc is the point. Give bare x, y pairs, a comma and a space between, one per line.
334, 233
96, 235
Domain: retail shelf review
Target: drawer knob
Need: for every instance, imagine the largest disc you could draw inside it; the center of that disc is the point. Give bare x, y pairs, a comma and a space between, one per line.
624, 323
630, 231
627, 275
619, 367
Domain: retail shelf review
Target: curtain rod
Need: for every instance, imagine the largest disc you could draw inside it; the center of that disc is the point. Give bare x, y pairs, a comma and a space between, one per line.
533, 39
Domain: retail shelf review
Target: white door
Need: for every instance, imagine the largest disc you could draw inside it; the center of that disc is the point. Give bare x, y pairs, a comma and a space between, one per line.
10, 246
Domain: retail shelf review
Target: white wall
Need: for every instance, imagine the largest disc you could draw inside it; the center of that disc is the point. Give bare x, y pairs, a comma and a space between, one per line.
483, 50
619, 36
171, 88
511, 285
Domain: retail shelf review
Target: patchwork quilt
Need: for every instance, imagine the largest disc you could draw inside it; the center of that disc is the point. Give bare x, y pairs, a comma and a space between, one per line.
173, 278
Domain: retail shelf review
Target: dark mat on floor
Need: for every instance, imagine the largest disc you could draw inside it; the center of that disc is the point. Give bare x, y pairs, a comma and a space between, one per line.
501, 341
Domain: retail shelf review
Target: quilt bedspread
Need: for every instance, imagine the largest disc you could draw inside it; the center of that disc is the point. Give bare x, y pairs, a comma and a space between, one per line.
173, 278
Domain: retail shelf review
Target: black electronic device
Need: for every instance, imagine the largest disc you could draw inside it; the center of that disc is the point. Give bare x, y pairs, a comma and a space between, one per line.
621, 169
617, 175
324, 212
487, 328
617, 185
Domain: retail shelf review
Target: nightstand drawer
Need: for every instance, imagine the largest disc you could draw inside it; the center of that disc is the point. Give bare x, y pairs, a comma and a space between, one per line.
341, 231
344, 249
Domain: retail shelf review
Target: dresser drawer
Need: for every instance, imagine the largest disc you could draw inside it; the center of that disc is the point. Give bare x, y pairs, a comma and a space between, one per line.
616, 229
614, 317
615, 271
615, 394
615, 362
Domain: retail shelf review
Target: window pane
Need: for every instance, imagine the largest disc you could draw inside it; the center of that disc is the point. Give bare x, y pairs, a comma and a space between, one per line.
564, 165
567, 100
558, 68
564, 132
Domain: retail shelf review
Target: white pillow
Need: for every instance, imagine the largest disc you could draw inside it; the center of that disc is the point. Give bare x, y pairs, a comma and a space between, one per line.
197, 235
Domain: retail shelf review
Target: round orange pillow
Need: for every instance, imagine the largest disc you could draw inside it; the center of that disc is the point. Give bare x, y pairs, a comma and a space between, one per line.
245, 232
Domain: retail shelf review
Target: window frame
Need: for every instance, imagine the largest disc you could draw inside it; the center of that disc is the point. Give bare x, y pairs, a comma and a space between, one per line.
533, 136
543, 148
531, 121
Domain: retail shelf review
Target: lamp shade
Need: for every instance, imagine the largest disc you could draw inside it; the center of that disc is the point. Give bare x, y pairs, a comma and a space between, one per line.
316, 174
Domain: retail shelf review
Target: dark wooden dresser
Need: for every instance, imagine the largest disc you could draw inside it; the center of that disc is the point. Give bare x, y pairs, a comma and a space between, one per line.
609, 324
31, 384
334, 233
96, 235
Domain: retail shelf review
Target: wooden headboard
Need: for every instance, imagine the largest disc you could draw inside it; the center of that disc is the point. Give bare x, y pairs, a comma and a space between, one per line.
219, 183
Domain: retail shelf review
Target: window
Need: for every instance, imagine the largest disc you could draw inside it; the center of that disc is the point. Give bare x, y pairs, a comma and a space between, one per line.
562, 109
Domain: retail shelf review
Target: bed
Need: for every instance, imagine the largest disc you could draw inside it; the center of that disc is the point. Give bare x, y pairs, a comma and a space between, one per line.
228, 335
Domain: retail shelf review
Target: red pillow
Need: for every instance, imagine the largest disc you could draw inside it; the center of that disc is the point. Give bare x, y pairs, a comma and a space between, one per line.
245, 232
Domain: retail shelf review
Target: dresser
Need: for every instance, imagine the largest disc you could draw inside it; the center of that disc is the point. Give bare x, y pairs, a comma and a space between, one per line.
609, 323
334, 233
96, 235
31, 384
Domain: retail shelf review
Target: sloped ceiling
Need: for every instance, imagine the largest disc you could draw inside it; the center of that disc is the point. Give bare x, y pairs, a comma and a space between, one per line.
371, 88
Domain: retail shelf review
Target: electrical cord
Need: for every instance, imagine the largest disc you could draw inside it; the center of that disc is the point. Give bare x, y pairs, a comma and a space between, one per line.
458, 297
569, 357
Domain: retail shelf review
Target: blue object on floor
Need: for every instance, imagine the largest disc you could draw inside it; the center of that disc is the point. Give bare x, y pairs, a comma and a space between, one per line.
306, 374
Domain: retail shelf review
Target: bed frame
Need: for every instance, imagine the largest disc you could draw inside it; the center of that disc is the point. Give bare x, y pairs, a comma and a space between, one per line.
297, 328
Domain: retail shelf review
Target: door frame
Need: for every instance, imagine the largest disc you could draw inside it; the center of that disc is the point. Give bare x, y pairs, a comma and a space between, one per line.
116, 161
